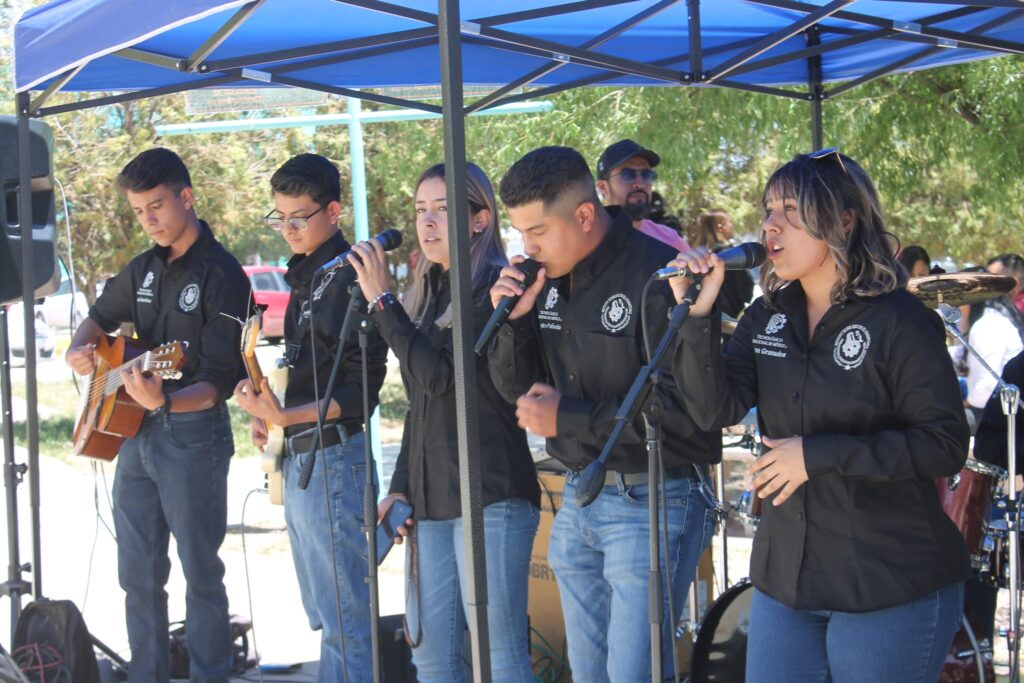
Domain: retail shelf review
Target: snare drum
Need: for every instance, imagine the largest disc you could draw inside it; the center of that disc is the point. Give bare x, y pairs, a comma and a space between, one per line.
967, 499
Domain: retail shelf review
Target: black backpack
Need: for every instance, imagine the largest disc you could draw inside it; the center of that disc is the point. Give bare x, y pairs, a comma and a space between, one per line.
53, 645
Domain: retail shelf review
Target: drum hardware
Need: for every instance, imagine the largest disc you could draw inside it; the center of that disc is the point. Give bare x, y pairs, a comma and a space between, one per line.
959, 289
1009, 399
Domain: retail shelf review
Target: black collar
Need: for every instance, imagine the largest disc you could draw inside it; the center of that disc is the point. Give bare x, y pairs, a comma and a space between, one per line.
302, 268
194, 253
591, 267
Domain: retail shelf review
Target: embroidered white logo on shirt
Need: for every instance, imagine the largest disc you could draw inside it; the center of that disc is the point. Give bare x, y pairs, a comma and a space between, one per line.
319, 291
552, 299
144, 294
189, 298
775, 323
851, 346
616, 312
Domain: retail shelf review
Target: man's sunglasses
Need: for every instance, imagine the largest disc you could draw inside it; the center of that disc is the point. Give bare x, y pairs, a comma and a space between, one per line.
629, 175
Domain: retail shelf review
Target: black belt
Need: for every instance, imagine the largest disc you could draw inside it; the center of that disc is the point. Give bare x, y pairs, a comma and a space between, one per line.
640, 478
332, 436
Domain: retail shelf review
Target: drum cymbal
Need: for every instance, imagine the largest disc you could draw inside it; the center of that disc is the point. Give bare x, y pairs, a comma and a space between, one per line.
959, 289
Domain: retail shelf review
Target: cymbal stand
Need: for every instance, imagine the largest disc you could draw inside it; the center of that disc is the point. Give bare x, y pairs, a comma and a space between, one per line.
1009, 399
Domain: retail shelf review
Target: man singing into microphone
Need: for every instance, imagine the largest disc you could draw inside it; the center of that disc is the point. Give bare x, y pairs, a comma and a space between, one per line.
567, 356
307, 190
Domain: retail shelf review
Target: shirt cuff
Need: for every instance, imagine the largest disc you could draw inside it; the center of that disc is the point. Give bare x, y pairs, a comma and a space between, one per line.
820, 452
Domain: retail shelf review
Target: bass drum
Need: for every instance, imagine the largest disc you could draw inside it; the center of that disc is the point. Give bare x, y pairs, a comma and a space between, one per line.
720, 653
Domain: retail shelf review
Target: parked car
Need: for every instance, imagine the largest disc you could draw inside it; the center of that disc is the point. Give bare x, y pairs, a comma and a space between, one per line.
45, 343
61, 310
270, 289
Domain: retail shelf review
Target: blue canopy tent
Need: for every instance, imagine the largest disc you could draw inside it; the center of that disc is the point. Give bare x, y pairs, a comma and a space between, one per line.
805, 50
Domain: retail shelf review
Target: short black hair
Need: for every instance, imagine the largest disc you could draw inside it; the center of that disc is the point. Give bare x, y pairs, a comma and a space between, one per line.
152, 168
309, 174
545, 175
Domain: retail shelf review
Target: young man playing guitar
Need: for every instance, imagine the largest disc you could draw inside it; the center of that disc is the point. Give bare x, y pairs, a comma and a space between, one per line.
328, 545
171, 477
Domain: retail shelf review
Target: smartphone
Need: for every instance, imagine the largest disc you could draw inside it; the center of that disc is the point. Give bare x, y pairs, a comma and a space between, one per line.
389, 526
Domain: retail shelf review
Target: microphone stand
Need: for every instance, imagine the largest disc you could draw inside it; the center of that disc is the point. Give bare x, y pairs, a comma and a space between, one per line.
355, 301
370, 507
1009, 399
592, 480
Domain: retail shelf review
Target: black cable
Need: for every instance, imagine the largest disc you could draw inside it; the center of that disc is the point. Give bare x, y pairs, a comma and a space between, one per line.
323, 467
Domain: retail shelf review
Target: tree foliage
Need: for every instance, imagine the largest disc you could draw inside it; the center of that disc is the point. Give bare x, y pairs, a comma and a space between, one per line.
944, 147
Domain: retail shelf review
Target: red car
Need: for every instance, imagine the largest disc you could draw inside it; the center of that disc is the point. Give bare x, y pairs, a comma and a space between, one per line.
270, 289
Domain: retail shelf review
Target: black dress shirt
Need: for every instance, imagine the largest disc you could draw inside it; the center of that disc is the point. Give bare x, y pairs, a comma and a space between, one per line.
584, 337
427, 471
199, 298
329, 298
874, 397
990, 441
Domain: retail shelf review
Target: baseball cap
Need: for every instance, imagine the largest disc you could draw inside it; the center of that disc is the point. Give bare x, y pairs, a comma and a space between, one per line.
621, 152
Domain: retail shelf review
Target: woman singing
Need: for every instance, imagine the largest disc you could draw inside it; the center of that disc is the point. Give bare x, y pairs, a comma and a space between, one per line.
419, 331
857, 571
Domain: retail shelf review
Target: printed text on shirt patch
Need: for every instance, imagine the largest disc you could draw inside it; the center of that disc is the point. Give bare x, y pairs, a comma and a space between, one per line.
549, 318
189, 298
144, 294
767, 343
616, 312
851, 346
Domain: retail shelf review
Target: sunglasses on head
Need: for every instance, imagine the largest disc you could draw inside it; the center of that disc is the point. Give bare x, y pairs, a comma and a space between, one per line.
829, 152
629, 175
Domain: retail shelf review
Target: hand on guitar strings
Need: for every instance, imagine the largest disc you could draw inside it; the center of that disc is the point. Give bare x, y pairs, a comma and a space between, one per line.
260, 436
781, 469
263, 405
147, 389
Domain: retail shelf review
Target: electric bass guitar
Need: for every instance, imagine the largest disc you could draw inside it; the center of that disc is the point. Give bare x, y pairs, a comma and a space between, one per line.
108, 415
273, 452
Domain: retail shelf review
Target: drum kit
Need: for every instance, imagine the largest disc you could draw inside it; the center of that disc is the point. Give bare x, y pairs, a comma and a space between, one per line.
980, 500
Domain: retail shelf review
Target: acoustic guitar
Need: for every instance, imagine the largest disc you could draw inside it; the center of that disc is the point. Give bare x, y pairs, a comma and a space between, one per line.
273, 452
108, 415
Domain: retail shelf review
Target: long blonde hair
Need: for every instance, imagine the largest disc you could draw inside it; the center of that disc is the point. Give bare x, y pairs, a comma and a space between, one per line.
485, 247
825, 188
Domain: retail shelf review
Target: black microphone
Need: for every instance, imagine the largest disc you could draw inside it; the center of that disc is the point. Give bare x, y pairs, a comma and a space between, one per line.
389, 239
742, 257
530, 269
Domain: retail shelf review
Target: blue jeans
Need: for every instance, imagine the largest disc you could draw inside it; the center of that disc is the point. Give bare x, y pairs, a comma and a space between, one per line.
305, 512
172, 479
509, 528
600, 555
903, 644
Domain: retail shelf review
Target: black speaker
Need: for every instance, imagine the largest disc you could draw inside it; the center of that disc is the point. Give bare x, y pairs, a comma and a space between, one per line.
44, 231
395, 656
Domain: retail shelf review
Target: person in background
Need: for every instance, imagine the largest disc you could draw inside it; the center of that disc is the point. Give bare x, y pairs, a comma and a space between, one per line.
419, 332
715, 231
625, 178
916, 260
997, 336
861, 413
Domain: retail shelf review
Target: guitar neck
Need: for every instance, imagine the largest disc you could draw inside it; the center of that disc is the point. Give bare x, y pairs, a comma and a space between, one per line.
112, 379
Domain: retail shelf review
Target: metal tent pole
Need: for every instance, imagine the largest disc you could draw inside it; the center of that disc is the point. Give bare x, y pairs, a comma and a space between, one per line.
450, 38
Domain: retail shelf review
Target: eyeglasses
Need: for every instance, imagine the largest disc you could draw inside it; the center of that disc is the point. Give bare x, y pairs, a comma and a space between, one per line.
826, 153
629, 175
277, 222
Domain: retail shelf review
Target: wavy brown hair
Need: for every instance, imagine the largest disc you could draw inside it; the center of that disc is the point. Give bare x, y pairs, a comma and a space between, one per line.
706, 234
825, 189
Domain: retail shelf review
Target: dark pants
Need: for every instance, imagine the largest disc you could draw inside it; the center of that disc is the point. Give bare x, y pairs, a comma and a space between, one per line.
172, 479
